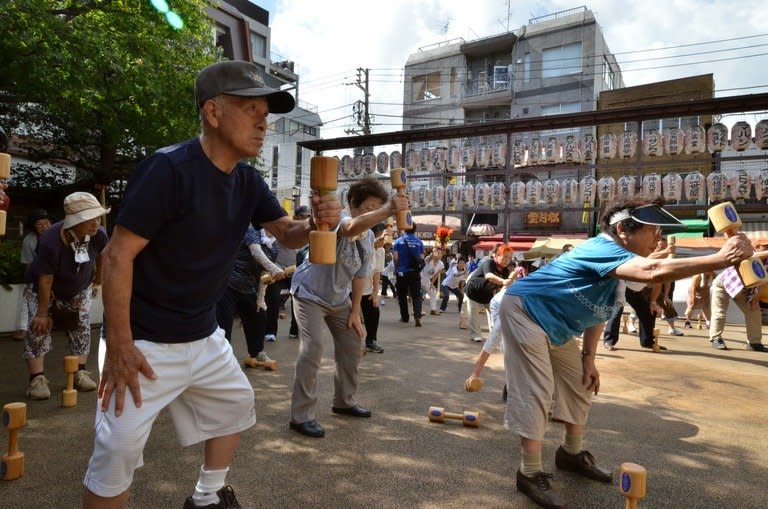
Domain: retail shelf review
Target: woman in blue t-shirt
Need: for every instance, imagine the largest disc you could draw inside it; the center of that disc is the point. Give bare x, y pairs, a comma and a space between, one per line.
574, 295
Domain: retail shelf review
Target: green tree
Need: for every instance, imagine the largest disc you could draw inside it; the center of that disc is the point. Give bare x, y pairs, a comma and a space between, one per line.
100, 83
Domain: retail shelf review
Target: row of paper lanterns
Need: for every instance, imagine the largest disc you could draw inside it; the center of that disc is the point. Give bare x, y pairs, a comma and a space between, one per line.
569, 191
571, 149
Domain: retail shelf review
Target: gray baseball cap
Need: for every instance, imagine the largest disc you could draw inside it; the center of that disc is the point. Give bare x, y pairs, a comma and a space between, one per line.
240, 78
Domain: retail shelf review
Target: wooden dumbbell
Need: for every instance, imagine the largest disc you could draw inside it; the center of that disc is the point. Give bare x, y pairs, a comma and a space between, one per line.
438, 414
726, 220
5, 174
14, 418
398, 178
624, 320
656, 347
252, 362
698, 325
323, 179
632, 480
473, 384
267, 279
69, 395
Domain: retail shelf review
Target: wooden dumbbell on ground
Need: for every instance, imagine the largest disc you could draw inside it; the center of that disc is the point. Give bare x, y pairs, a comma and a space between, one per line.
624, 320
632, 478
726, 220
473, 384
69, 395
656, 346
438, 414
398, 178
323, 178
5, 174
14, 418
253, 362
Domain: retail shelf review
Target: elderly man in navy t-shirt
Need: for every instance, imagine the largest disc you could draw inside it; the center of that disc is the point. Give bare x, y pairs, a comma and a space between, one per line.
185, 211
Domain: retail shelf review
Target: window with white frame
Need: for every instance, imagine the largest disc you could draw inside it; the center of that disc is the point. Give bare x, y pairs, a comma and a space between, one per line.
609, 76
526, 68
561, 60
426, 87
258, 45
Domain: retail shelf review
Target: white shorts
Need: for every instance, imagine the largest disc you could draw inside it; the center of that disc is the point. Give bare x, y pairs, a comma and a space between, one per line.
203, 387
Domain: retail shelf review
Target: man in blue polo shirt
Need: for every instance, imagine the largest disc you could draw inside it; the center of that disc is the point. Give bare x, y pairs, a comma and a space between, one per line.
408, 252
185, 211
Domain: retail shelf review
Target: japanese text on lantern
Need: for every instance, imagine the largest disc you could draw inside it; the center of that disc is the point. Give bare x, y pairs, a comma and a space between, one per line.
542, 219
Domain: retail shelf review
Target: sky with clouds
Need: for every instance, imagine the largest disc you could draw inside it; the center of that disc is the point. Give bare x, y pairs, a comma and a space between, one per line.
329, 39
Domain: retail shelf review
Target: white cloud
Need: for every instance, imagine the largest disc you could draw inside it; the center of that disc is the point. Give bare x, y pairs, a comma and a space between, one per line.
329, 39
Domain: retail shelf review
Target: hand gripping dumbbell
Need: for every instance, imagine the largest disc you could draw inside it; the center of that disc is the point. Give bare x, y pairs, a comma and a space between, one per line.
438, 414
5, 173
69, 395
726, 220
398, 178
14, 418
632, 479
268, 279
253, 362
323, 179
473, 384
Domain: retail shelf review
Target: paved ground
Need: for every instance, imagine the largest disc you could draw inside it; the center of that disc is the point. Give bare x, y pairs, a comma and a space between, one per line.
693, 416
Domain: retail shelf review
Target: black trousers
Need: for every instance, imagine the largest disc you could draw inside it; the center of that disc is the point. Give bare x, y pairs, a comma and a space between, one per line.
409, 283
386, 283
254, 322
641, 303
370, 317
272, 298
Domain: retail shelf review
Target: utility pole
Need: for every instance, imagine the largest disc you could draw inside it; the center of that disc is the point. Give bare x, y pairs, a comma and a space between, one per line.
360, 109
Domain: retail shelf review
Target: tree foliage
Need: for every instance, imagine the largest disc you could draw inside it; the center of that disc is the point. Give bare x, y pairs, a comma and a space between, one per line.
99, 84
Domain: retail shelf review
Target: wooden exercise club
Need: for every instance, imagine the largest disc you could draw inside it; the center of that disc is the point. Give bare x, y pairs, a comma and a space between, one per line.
438, 414
69, 395
632, 478
14, 418
5, 174
323, 178
726, 220
398, 178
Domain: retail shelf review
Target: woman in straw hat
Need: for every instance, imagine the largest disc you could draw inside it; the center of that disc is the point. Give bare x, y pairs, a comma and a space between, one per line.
61, 281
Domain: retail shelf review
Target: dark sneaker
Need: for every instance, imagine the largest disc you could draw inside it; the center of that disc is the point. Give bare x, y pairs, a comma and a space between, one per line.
504, 393
757, 347
719, 344
582, 464
374, 347
537, 488
417, 322
227, 500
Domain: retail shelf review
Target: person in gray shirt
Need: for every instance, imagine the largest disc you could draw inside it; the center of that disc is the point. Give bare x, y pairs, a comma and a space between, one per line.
321, 296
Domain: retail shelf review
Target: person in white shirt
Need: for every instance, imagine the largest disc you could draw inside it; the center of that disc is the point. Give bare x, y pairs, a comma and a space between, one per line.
456, 274
430, 276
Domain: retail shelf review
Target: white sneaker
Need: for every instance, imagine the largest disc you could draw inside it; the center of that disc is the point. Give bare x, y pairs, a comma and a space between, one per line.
262, 356
674, 331
38, 388
270, 337
477, 339
84, 382
631, 328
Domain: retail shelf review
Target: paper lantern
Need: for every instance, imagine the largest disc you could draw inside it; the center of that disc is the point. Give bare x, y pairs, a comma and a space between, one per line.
740, 184
587, 190
424, 197
482, 195
534, 151
569, 189
357, 166
550, 192
413, 194
717, 185
451, 197
483, 156
347, 167
533, 191
589, 148
627, 144
454, 157
552, 150
761, 135
342, 194
425, 158
395, 159
761, 184
608, 146
499, 155
606, 189
412, 160
518, 152
672, 187
439, 158
625, 187
438, 196
651, 186
694, 186
468, 155
741, 136
516, 193
382, 162
497, 195
571, 151
652, 143
467, 195
717, 139
368, 164
695, 140
674, 141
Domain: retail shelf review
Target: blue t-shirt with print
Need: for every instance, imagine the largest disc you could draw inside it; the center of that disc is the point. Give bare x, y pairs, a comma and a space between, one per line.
195, 216
574, 292
409, 249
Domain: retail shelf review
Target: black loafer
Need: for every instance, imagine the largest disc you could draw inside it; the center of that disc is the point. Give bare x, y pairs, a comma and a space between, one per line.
538, 489
309, 428
354, 411
757, 347
582, 463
